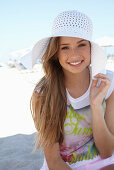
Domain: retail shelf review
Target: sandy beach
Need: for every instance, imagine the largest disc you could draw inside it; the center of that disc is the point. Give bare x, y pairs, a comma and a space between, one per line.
17, 131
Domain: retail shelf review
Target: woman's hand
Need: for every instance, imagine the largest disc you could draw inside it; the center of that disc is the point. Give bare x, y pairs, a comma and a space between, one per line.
98, 93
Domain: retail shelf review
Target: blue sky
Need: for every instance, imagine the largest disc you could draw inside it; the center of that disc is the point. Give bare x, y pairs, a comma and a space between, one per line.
23, 22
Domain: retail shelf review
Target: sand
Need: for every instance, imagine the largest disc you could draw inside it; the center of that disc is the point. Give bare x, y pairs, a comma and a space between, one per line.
16, 153
17, 131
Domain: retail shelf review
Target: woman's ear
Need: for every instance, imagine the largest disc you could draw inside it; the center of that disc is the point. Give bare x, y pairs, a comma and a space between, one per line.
98, 59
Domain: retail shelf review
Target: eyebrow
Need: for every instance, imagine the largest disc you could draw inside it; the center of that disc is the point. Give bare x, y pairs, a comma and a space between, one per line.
77, 42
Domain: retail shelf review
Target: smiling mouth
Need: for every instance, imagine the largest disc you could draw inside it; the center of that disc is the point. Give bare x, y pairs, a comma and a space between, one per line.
75, 63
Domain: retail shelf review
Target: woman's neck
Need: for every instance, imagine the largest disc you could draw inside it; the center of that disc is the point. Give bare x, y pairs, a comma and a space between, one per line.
77, 84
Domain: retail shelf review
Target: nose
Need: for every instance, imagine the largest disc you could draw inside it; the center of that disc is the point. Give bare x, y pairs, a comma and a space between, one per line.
75, 53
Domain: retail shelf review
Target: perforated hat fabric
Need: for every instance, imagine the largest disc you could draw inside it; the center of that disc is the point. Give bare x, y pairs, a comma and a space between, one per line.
72, 23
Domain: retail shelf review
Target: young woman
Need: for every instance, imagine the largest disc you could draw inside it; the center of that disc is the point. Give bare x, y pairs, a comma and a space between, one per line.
73, 104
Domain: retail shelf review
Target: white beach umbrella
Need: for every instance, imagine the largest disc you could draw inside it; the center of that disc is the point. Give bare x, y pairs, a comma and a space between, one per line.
105, 41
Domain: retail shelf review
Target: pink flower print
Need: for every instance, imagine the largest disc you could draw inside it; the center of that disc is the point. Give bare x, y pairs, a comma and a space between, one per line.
67, 158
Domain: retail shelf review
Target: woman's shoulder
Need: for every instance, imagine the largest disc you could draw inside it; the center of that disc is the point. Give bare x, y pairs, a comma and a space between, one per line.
110, 75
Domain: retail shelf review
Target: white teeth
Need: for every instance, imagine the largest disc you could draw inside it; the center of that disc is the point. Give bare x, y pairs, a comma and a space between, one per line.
75, 63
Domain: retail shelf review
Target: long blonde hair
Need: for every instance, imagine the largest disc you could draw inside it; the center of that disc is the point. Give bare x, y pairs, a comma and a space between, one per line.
49, 105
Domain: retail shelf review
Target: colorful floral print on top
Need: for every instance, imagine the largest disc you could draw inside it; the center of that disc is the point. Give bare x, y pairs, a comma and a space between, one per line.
78, 141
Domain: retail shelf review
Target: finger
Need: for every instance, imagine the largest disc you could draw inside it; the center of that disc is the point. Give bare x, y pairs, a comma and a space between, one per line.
104, 86
103, 76
94, 82
105, 82
98, 82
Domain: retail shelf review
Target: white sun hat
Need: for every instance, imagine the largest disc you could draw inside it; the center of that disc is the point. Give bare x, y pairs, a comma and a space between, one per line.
72, 23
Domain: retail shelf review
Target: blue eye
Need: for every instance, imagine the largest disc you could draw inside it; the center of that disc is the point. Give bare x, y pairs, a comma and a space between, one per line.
81, 45
64, 48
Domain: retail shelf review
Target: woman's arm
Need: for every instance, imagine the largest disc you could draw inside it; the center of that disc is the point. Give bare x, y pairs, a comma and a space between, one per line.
53, 158
103, 129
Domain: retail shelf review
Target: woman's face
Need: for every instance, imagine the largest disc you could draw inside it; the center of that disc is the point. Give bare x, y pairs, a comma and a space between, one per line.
73, 54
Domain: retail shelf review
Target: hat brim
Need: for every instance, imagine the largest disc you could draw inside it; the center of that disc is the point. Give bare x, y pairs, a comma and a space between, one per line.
98, 55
